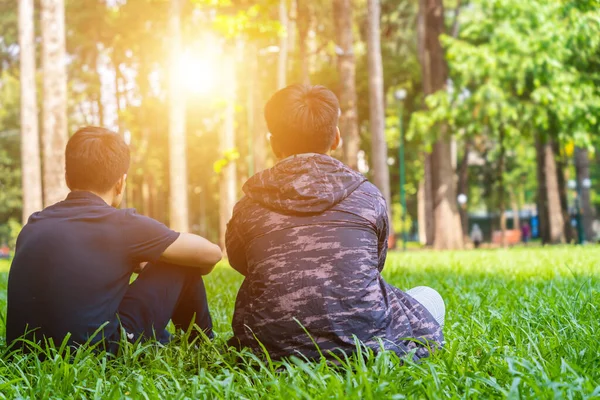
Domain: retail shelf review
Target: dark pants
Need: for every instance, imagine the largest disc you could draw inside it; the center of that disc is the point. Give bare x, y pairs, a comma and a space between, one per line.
164, 292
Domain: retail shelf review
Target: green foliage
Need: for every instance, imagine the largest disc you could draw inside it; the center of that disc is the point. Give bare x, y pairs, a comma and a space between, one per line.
520, 324
397, 213
518, 66
229, 156
10, 156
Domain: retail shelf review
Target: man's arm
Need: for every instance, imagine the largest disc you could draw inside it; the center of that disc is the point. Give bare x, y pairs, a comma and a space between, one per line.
148, 240
383, 231
193, 251
236, 251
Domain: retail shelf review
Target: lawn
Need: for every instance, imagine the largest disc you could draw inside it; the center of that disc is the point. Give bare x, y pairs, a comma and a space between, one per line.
523, 323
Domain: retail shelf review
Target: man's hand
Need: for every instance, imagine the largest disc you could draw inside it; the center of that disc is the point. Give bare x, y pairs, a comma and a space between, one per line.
138, 270
193, 251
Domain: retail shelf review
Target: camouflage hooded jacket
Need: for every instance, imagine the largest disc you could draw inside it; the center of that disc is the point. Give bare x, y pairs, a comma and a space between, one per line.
310, 237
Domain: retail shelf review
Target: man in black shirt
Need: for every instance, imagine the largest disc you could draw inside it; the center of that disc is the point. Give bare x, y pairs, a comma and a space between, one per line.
74, 260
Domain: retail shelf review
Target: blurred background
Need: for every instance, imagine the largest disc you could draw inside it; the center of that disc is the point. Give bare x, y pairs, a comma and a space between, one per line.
477, 119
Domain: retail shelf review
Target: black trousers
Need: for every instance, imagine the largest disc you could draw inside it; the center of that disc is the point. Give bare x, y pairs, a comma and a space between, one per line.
164, 292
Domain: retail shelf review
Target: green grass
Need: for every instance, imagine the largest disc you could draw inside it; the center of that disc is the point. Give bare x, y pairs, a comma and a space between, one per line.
523, 323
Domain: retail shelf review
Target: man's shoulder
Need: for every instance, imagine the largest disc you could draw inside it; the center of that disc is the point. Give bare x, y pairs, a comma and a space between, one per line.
369, 190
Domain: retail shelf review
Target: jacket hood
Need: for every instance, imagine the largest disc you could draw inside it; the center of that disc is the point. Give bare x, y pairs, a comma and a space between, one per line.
303, 184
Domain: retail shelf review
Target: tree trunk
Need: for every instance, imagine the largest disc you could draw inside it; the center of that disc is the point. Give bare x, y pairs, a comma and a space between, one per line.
502, 189
257, 125
293, 29
31, 169
569, 233
145, 196
582, 165
119, 122
448, 231
376, 102
514, 204
342, 14
463, 188
549, 209
54, 127
98, 95
178, 199
427, 220
228, 182
283, 45
303, 24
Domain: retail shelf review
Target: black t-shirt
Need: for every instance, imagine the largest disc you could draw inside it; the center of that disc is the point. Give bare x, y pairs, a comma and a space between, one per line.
72, 267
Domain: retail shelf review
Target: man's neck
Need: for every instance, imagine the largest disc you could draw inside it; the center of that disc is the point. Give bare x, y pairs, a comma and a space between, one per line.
107, 197
302, 155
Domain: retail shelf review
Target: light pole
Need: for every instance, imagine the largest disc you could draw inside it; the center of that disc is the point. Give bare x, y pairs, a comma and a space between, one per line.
584, 184
400, 96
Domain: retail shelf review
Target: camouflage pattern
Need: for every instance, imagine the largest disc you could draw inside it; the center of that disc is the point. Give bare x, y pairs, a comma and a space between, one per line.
310, 237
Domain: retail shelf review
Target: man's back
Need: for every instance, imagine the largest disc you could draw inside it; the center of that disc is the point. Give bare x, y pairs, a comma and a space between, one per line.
72, 268
311, 237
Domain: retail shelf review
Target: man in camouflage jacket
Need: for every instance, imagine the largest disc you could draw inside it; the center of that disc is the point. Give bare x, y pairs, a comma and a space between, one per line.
310, 237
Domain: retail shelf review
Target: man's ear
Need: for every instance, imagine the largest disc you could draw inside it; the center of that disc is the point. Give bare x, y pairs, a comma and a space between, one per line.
274, 146
120, 186
337, 142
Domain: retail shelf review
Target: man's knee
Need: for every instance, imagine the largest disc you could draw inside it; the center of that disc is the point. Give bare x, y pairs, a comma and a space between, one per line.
432, 300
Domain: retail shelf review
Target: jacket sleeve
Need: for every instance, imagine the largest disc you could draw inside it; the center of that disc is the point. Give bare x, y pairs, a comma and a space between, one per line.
235, 246
383, 231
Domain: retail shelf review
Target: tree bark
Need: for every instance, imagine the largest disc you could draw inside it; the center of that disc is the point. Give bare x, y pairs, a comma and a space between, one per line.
228, 182
293, 29
514, 204
502, 188
259, 130
54, 127
582, 166
549, 209
448, 230
463, 187
178, 199
376, 102
569, 232
31, 168
283, 46
428, 217
342, 14
303, 23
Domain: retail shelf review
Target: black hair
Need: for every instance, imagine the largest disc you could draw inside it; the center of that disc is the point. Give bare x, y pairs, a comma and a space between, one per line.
96, 158
302, 119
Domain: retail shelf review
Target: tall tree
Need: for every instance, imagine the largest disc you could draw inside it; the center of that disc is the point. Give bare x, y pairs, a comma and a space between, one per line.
282, 60
303, 23
549, 206
447, 226
342, 14
376, 101
228, 179
54, 126
31, 174
425, 194
178, 205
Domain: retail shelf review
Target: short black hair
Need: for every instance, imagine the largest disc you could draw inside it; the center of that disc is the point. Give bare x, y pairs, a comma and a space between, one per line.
303, 119
96, 158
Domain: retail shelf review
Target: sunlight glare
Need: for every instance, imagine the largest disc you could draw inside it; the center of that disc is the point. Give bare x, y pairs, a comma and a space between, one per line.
198, 70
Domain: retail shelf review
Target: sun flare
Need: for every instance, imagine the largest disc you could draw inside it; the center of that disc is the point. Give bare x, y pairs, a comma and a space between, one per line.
197, 69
